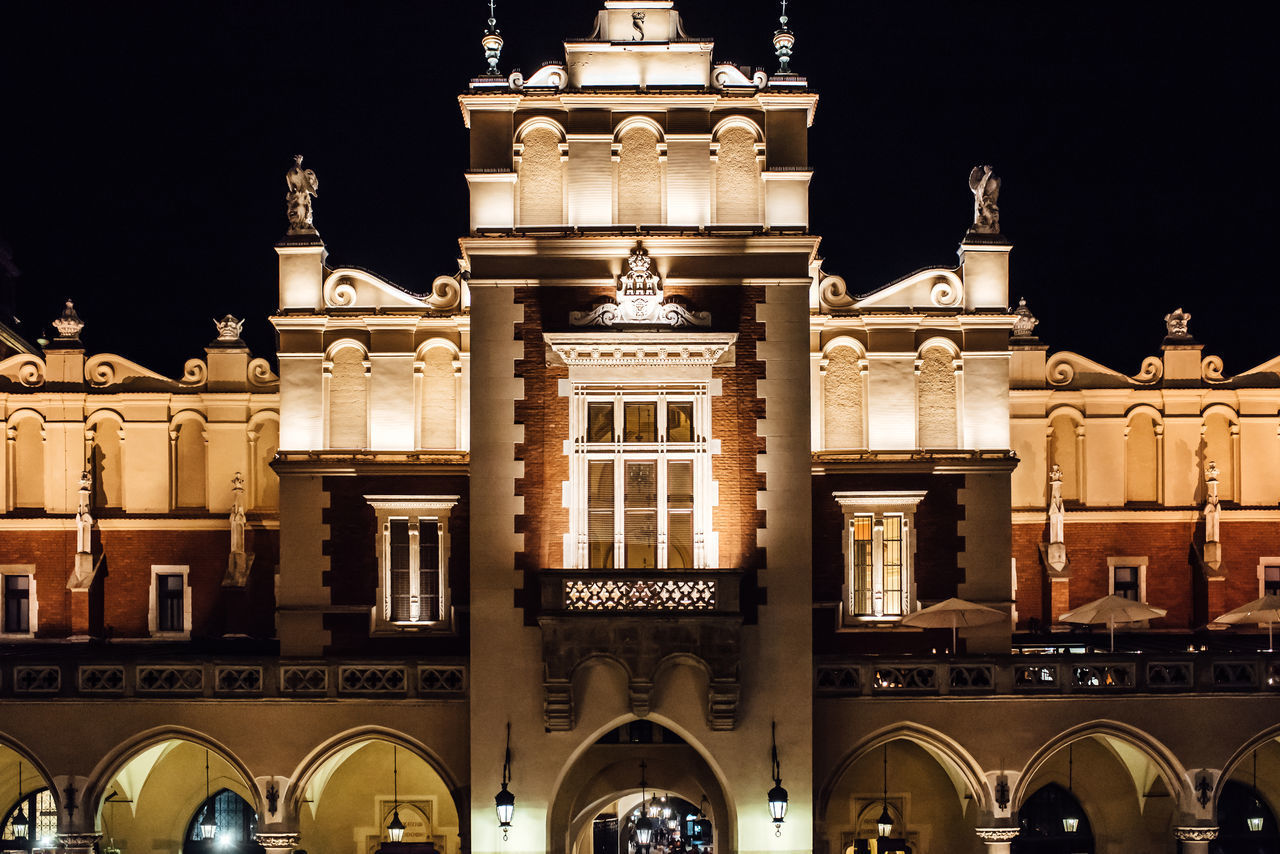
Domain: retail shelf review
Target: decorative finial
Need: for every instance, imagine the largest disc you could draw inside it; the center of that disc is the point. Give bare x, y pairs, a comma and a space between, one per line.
1178, 324
986, 192
229, 328
1024, 323
784, 41
302, 185
492, 43
69, 324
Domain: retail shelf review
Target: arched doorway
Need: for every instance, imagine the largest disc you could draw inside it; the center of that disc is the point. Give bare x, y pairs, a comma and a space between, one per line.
1052, 821
600, 793
1241, 809
161, 785
225, 822
349, 796
28, 806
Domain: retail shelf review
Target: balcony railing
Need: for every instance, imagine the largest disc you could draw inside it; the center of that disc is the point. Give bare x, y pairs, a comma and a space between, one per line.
1036, 675
679, 591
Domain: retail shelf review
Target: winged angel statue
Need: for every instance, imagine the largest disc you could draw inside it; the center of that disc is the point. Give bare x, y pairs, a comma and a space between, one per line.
302, 186
986, 192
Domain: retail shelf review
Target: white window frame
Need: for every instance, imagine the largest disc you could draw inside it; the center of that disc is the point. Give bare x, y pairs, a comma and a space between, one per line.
153, 604
33, 606
878, 504
1129, 560
1263, 563
621, 452
412, 509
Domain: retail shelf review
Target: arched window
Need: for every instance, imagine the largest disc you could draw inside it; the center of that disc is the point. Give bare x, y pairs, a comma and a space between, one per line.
439, 404
41, 814
842, 400
28, 463
266, 483
235, 821
639, 177
1236, 805
541, 187
1217, 446
1141, 460
348, 400
189, 460
106, 462
1063, 453
737, 177
936, 396
1042, 829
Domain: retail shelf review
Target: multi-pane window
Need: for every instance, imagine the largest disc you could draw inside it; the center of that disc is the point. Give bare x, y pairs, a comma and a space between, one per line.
17, 604
1271, 580
413, 560
878, 553
642, 458
1126, 582
170, 602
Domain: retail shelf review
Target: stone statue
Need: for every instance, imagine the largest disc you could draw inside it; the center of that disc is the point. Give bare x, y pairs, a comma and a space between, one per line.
1212, 510
84, 519
986, 193
229, 328
237, 513
302, 186
1178, 324
1057, 512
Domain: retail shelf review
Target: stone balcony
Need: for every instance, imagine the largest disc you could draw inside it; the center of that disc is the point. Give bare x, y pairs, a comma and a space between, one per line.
641, 620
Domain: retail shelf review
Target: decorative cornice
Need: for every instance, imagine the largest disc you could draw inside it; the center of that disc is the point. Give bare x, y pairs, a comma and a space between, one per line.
658, 347
1195, 834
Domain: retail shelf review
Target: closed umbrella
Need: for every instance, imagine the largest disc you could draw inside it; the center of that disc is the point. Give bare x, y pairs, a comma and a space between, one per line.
952, 614
1264, 610
1111, 610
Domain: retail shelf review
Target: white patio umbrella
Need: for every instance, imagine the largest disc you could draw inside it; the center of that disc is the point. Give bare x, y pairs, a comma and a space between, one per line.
1264, 610
1111, 610
953, 613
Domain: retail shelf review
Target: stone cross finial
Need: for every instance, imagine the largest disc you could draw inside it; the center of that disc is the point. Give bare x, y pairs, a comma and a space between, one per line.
784, 42
491, 41
1178, 324
69, 324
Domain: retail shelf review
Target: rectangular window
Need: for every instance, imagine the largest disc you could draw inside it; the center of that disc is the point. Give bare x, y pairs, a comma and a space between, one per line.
399, 569
878, 553
893, 580
17, 604
637, 503
413, 554
1271, 581
863, 565
1125, 582
170, 603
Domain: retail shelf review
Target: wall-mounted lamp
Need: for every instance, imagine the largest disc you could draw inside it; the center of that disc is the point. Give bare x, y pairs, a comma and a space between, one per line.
777, 795
505, 802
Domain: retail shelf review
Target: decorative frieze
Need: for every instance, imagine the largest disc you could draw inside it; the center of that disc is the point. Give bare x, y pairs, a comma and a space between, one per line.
304, 679
238, 680
442, 680
640, 595
100, 679
1195, 834
37, 680
372, 679
170, 679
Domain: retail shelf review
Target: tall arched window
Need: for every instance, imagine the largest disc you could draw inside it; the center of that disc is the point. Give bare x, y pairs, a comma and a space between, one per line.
737, 177
936, 398
842, 400
1141, 460
1042, 830
266, 483
235, 821
41, 814
189, 461
541, 178
106, 462
1063, 453
1217, 447
639, 177
348, 400
439, 405
28, 462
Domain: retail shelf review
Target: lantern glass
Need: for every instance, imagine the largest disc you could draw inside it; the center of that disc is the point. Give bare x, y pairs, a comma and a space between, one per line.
884, 824
395, 830
505, 803
644, 830
1070, 824
20, 823
778, 804
1255, 822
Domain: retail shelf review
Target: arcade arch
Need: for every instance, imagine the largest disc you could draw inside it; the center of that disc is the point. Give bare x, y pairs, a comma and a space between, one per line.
35, 791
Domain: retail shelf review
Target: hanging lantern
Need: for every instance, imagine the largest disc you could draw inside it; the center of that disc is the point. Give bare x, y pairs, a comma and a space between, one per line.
644, 827
209, 821
395, 830
20, 818
1254, 819
504, 802
884, 824
777, 795
1070, 822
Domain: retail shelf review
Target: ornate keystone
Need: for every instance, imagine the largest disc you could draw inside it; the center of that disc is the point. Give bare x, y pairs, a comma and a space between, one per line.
639, 301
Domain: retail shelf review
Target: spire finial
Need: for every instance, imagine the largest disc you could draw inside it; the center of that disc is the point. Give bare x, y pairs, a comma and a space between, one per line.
492, 43
784, 42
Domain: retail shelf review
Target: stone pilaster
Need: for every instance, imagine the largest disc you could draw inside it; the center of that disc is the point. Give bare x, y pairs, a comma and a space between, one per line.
78, 843
1195, 840
278, 843
997, 839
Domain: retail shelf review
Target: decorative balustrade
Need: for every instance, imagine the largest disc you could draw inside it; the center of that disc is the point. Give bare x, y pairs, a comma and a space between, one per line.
1030, 675
261, 677
641, 591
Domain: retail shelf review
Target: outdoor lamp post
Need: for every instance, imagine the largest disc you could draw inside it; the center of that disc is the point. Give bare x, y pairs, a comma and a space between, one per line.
505, 802
777, 795
209, 821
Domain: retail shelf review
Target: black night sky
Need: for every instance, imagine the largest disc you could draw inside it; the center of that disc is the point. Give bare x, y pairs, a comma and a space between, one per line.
144, 147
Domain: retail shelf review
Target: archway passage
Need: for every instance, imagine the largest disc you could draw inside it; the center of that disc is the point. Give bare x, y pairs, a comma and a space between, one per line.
676, 826
1246, 822
152, 799
225, 823
350, 798
1053, 822
28, 806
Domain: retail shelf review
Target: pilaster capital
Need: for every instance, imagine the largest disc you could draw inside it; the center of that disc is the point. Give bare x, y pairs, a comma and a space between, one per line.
278, 840
997, 834
1195, 834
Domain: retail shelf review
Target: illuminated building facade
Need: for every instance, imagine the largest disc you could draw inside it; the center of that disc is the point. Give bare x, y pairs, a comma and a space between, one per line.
640, 499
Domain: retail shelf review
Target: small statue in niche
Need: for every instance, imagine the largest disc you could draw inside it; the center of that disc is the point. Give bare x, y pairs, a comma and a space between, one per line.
84, 519
986, 193
1057, 511
1212, 509
637, 21
302, 185
237, 514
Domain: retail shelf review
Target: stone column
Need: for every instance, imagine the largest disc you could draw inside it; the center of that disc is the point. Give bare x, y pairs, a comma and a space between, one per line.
278, 843
997, 839
78, 843
1195, 840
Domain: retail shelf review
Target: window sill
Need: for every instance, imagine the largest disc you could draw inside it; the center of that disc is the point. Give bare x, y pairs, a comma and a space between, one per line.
170, 636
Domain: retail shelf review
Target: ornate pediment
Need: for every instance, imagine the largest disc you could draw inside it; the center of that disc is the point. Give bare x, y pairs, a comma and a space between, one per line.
639, 301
